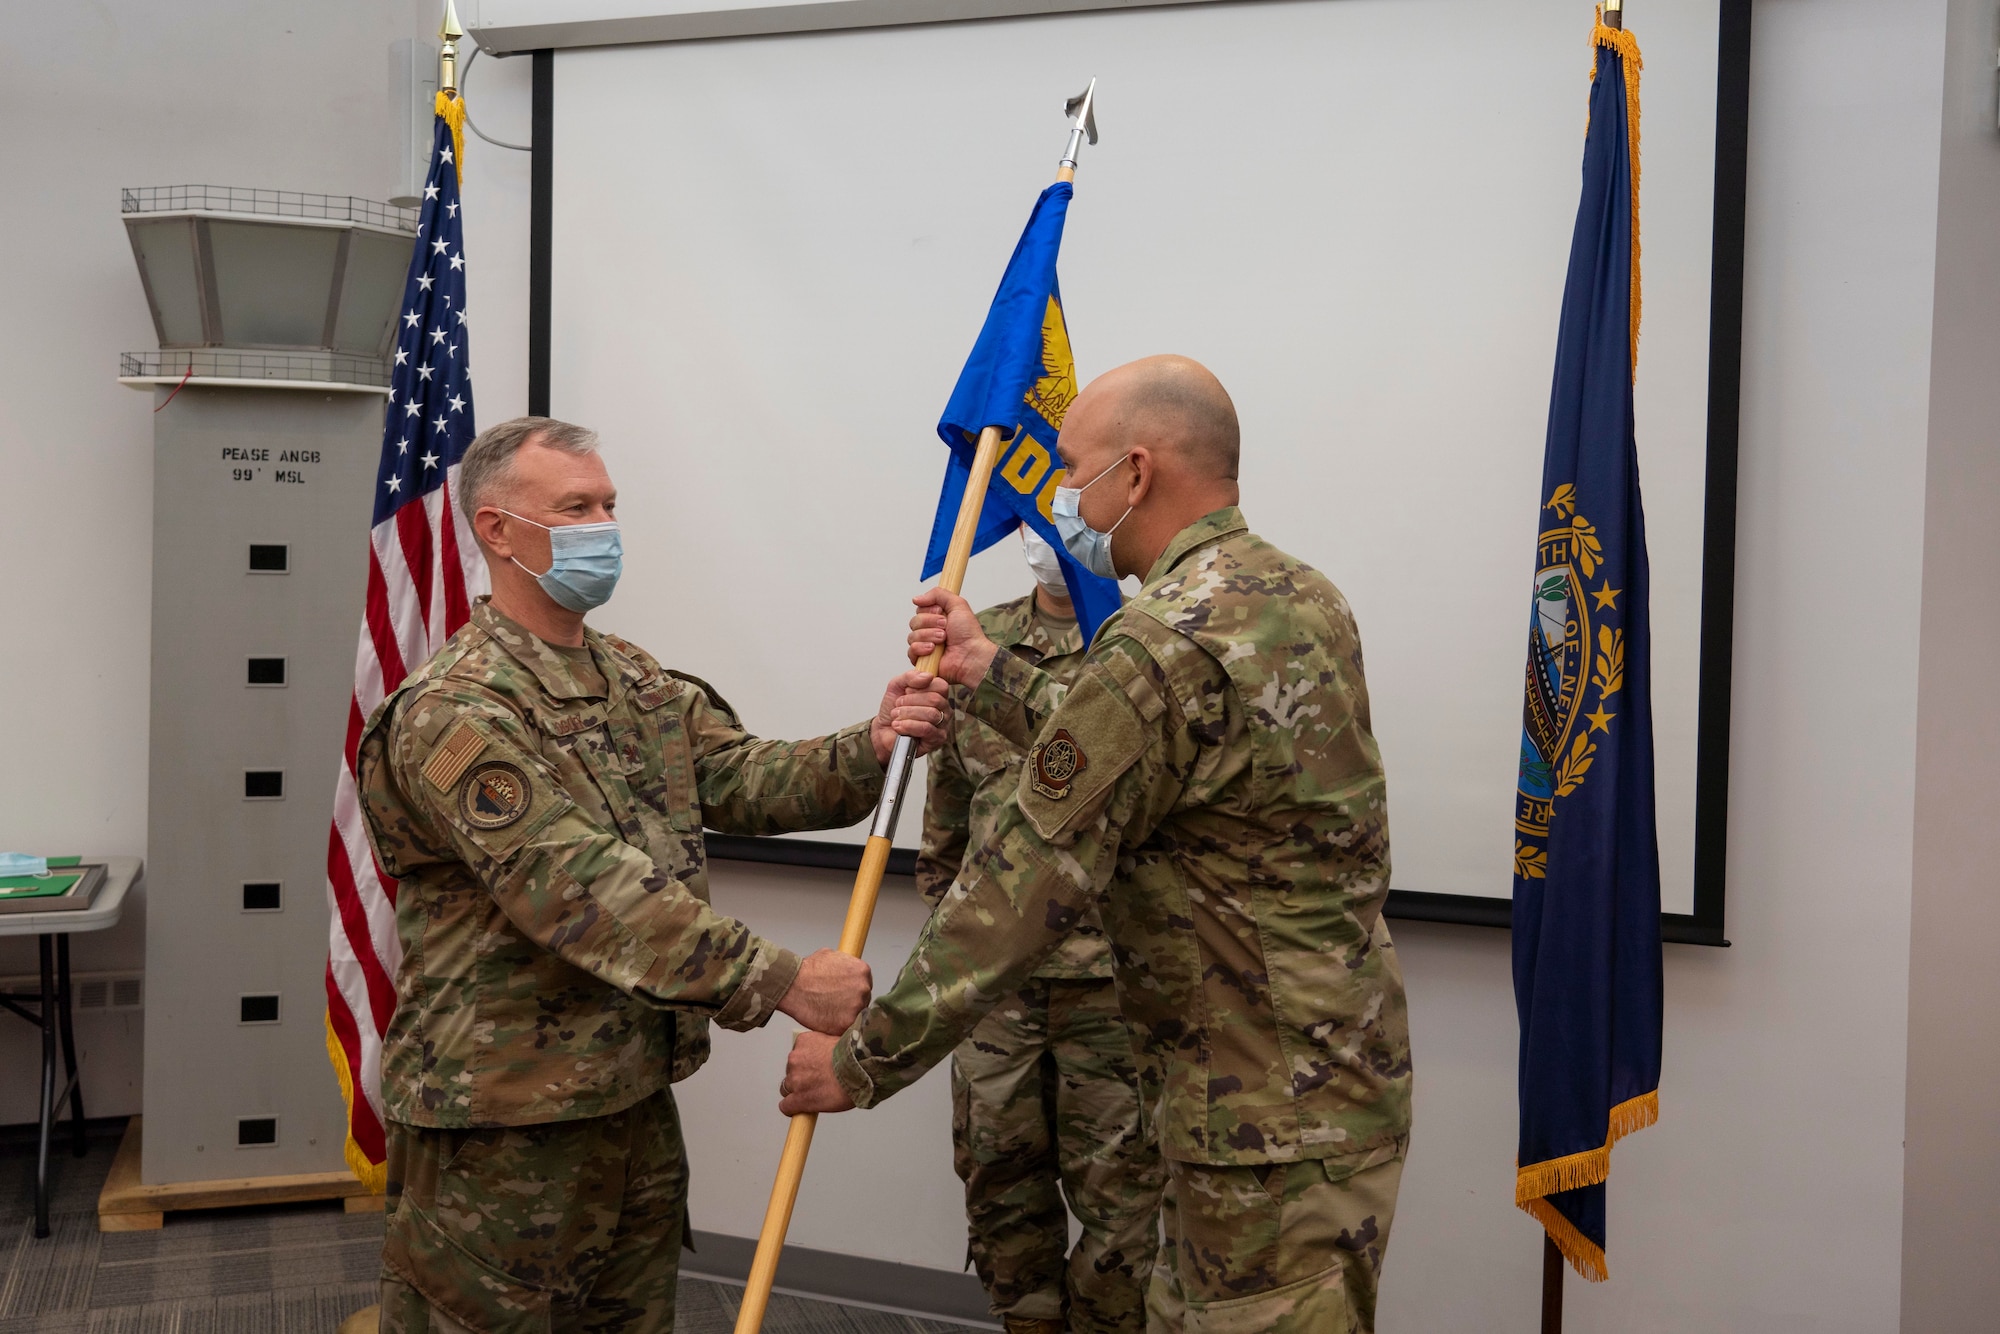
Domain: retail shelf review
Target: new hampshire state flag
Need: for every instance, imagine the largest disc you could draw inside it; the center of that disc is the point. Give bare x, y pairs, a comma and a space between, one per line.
1021, 378
1586, 854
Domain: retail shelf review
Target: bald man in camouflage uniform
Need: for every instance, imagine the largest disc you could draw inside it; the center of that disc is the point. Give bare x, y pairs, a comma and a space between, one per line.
1211, 782
540, 788
1045, 1091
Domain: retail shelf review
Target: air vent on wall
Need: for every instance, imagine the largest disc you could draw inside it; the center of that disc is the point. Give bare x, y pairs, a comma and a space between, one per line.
88, 991
264, 672
270, 558
258, 1010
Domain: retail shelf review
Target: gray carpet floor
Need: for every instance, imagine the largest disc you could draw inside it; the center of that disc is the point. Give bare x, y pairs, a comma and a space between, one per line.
295, 1269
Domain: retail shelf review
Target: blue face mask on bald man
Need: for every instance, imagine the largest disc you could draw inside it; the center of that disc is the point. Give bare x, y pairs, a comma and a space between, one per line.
585, 560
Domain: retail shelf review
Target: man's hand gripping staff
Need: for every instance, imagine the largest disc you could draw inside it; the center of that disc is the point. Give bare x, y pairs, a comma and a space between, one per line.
944, 631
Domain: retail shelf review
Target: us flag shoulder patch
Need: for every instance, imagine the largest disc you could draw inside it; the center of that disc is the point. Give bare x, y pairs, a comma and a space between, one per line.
460, 747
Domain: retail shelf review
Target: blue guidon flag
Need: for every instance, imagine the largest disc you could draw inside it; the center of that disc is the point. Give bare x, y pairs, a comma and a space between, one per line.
1586, 852
1021, 378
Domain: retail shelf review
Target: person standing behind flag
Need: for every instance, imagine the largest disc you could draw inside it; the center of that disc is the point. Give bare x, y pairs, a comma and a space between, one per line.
1211, 781
539, 788
1045, 1091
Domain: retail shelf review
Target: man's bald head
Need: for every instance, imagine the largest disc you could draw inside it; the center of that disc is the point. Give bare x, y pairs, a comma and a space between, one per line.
1169, 403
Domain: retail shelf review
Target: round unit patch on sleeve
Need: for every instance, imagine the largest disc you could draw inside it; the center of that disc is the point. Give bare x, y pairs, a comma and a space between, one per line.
1057, 762
494, 795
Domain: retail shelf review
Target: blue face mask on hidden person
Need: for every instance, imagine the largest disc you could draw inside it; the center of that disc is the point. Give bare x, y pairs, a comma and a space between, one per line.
585, 560
1091, 548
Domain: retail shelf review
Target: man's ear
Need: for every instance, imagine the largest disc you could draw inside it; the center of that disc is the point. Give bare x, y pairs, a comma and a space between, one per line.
1144, 472
489, 525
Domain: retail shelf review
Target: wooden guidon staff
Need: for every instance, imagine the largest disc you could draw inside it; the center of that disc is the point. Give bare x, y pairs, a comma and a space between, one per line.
882, 831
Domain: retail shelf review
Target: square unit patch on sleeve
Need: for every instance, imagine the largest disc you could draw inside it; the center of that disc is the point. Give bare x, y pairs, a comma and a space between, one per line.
1093, 739
453, 756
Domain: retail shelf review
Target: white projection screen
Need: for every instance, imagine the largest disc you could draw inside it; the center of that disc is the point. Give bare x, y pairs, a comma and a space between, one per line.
770, 255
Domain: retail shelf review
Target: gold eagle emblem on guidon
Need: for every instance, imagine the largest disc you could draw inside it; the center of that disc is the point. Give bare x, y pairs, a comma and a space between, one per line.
1052, 394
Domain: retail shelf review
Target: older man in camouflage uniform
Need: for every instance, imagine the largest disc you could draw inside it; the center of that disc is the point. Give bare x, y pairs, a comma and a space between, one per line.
1212, 777
540, 789
1045, 1091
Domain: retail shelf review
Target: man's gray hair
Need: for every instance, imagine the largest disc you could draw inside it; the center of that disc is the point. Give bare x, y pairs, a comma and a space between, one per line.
488, 465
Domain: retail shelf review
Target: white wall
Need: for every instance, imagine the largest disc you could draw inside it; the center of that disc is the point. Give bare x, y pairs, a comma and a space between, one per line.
1768, 1199
1951, 1202
1770, 1196
754, 312
283, 94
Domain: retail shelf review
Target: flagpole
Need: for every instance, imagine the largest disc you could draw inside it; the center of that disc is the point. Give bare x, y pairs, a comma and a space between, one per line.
882, 831
1552, 1286
1612, 15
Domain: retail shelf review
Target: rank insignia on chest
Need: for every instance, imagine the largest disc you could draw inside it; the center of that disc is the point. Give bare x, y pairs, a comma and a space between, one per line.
494, 796
1057, 762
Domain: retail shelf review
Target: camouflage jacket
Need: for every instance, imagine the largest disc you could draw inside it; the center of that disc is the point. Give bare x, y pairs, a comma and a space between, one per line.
560, 959
1215, 754
976, 772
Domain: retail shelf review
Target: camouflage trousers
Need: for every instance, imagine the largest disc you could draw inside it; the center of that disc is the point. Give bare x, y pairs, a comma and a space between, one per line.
1045, 1106
1279, 1248
568, 1225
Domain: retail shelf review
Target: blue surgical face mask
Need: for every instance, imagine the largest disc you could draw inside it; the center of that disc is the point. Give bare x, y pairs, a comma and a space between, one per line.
1091, 549
585, 560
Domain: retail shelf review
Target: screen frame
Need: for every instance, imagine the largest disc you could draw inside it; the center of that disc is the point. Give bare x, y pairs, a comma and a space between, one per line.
1704, 925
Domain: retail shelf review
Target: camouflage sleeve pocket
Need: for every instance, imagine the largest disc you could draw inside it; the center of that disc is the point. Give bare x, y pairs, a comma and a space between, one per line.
1086, 747
488, 790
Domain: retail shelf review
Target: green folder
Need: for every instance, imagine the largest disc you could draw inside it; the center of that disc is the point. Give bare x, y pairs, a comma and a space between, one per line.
40, 886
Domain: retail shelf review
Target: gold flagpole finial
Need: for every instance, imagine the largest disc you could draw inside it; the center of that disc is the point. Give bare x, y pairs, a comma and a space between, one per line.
449, 32
1614, 13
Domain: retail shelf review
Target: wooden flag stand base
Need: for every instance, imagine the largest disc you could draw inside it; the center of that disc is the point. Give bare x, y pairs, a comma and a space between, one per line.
128, 1205
1552, 1286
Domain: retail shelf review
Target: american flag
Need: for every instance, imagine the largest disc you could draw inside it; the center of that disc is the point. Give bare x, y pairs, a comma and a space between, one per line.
422, 575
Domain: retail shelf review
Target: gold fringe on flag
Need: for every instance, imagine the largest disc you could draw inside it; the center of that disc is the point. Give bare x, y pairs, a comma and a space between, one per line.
375, 1176
452, 107
1574, 1171
1581, 1252
1626, 45
1592, 1165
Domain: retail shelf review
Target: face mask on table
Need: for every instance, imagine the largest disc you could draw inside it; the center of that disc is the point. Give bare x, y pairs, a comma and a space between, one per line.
1090, 548
585, 560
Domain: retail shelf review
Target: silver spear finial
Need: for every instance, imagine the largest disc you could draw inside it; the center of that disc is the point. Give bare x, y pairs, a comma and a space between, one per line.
1082, 113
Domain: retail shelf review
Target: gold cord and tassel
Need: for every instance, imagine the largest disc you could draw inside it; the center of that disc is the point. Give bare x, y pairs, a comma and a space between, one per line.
452, 108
